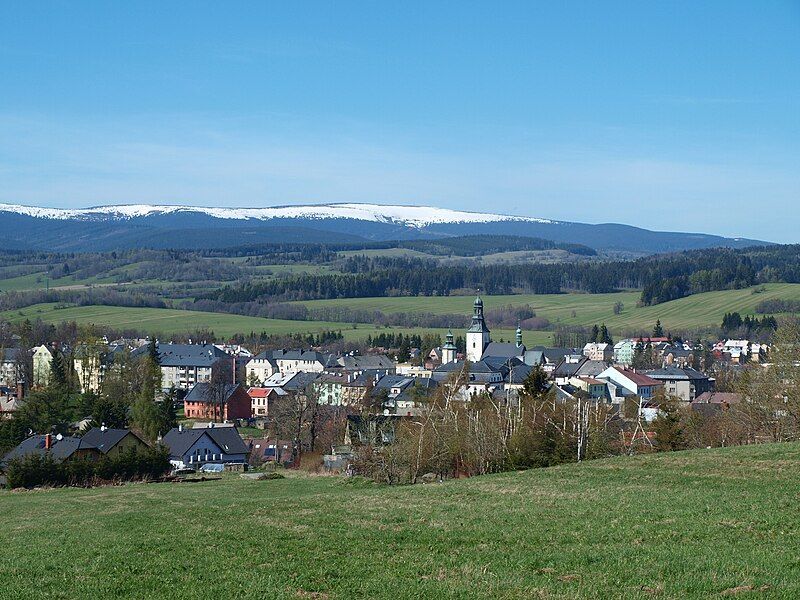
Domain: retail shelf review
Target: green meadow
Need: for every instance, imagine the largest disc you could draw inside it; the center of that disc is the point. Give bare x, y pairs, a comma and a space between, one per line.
166, 321
697, 524
699, 310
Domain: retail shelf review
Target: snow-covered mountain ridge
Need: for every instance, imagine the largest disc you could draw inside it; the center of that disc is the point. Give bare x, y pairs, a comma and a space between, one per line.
412, 216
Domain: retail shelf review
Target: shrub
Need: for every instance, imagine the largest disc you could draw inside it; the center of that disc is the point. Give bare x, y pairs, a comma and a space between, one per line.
37, 469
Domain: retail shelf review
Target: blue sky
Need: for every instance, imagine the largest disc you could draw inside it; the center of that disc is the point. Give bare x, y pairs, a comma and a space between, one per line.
667, 115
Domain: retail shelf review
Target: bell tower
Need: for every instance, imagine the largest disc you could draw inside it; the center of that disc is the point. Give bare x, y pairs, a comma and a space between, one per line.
478, 336
449, 349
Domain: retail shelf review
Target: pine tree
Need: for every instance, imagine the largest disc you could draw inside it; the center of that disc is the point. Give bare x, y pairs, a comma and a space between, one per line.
595, 336
658, 331
59, 377
146, 415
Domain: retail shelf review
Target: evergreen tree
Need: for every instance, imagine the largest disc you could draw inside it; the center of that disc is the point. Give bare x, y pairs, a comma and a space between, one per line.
59, 373
658, 330
605, 336
595, 335
535, 383
669, 430
168, 413
145, 413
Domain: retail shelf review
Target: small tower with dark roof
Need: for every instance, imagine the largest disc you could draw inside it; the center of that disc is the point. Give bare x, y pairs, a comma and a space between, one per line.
519, 336
449, 349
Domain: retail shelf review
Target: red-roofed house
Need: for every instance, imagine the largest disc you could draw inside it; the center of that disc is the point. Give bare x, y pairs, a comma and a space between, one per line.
261, 398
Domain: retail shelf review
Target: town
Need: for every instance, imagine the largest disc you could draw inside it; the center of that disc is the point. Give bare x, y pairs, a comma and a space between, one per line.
231, 408
417, 300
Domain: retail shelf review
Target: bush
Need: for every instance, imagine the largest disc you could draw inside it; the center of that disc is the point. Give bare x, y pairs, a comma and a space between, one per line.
132, 465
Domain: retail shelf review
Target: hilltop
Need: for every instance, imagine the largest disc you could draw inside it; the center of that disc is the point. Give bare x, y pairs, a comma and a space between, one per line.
677, 525
191, 227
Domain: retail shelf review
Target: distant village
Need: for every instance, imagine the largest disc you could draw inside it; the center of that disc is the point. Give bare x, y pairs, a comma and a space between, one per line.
240, 408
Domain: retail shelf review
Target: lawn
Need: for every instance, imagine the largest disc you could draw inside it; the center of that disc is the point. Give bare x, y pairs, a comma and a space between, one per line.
699, 310
698, 524
164, 321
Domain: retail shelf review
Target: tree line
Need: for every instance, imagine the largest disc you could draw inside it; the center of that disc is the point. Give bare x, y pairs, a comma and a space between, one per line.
661, 278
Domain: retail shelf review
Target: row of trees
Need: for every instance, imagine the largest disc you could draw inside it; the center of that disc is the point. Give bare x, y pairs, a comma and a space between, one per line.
662, 278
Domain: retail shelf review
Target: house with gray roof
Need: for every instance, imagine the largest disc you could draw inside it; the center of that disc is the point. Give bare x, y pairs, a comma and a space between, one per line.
59, 448
193, 448
183, 365
685, 384
111, 441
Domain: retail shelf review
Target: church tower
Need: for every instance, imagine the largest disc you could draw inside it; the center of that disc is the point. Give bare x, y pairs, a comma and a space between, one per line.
449, 349
478, 334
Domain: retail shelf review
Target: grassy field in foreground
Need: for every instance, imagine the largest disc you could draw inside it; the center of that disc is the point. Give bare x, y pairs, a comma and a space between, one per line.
166, 321
698, 524
699, 310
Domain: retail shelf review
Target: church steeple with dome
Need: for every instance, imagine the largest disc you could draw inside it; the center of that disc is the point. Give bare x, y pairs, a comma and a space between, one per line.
478, 336
449, 349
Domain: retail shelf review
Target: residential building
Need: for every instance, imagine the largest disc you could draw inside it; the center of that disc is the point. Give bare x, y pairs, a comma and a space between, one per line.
260, 368
226, 403
600, 351
685, 384
737, 351
328, 388
262, 398
623, 352
194, 448
596, 388
10, 401
288, 362
42, 364
12, 361
184, 365
625, 382
366, 362
59, 448
113, 442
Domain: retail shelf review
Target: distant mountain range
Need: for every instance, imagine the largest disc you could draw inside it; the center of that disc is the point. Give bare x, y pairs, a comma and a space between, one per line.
106, 228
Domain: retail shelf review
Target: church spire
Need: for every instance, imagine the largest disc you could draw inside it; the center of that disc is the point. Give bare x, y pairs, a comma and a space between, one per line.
478, 336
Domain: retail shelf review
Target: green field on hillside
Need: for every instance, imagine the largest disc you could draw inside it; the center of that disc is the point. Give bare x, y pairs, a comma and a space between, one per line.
699, 310
697, 524
166, 321
39, 281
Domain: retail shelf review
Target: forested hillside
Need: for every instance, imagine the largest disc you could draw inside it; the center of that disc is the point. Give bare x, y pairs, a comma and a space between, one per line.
662, 278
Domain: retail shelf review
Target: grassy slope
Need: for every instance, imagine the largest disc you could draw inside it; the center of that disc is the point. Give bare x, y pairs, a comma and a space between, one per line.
694, 311
682, 525
171, 321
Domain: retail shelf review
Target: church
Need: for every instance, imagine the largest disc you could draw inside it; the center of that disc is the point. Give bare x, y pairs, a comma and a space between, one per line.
494, 367
479, 340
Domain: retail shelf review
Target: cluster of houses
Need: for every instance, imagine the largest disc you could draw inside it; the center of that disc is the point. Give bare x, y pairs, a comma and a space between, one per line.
190, 448
599, 372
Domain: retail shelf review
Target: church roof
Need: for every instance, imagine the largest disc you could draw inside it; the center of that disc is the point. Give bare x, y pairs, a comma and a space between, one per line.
503, 350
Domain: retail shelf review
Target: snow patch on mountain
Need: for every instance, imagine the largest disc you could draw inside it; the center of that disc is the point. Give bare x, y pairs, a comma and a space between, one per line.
413, 216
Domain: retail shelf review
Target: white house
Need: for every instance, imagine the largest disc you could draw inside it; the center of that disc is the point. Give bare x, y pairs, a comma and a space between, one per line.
598, 351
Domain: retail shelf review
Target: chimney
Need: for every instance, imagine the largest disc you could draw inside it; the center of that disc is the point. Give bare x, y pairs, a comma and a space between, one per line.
20, 390
48, 441
180, 427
